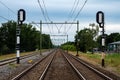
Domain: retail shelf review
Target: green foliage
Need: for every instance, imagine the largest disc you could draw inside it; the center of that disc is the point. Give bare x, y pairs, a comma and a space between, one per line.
7, 37
113, 37
68, 46
30, 38
87, 38
46, 42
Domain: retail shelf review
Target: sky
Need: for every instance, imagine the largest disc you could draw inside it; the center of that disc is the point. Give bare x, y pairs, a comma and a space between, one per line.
60, 11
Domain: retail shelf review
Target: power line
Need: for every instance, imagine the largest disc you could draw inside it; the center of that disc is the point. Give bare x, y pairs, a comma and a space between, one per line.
7, 7
75, 5
42, 11
48, 15
4, 18
74, 8
80, 10
46, 10
77, 14
45, 15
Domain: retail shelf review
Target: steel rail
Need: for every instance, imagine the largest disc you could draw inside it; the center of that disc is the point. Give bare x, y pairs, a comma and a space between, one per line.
93, 69
46, 69
7, 61
75, 69
31, 67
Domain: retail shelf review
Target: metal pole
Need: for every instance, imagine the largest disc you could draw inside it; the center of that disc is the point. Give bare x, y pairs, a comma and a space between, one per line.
67, 42
49, 45
103, 46
40, 37
103, 38
77, 37
18, 41
92, 39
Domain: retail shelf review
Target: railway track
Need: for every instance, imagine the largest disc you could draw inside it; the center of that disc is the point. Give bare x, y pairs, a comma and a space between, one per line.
7, 61
55, 67
88, 72
60, 69
61, 66
36, 70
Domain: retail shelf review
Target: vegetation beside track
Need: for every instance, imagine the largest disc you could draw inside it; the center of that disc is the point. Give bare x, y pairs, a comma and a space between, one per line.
12, 55
112, 62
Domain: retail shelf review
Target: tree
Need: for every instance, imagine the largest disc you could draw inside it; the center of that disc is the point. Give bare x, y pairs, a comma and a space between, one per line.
7, 35
46, 41
30, 38
68, 46
87, 38
113, 37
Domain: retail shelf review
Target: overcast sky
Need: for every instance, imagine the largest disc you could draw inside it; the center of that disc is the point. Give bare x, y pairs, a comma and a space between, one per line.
59, 11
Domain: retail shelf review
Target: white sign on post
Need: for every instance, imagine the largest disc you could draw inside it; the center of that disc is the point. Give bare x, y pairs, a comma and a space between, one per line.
103, 42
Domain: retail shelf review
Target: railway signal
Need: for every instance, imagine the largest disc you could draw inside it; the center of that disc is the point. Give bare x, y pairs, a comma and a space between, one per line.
100, 18
100, 21
21, 18
21, 15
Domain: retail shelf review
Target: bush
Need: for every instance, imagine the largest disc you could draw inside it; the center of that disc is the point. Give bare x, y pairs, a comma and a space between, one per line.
69, 47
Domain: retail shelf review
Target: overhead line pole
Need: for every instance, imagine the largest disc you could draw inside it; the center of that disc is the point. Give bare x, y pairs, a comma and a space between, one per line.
77, 37
55, 35
40, 37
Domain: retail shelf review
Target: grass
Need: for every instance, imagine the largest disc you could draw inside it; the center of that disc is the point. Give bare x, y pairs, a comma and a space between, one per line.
112, 61
7, 56
12, 55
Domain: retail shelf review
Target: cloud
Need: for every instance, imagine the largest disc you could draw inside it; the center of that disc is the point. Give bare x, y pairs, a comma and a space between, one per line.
111, 28
58, 11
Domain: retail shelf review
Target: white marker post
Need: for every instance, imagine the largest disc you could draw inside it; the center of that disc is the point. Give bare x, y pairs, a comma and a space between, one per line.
21, 18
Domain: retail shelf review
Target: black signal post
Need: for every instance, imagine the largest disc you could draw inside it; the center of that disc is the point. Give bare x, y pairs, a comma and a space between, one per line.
100, 21
21, 18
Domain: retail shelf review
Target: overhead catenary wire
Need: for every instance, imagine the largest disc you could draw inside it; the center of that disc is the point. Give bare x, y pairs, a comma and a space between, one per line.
7, 7
48, 15
74, 8
71, 13
45, 14
46, 11
80, 10
42, 10
4, 18
77, 14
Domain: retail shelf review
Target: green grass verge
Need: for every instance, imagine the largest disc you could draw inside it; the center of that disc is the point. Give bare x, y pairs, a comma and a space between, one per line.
12, 55
112, 61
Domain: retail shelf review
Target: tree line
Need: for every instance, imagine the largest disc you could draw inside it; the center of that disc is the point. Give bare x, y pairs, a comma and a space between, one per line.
88, 39
30, 38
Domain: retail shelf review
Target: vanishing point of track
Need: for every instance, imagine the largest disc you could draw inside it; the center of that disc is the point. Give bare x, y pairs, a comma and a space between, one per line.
59, 65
